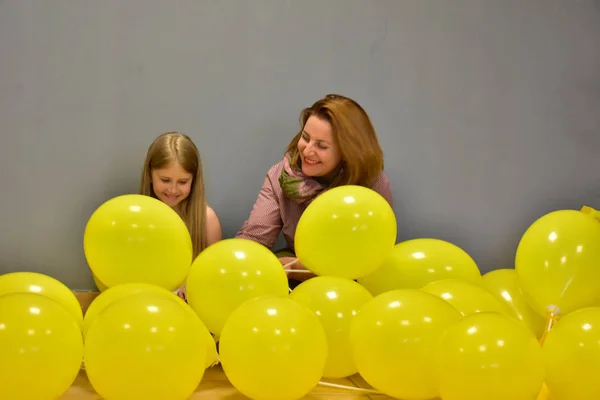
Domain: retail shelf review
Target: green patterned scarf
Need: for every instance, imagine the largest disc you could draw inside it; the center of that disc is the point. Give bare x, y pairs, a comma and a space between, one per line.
296, 185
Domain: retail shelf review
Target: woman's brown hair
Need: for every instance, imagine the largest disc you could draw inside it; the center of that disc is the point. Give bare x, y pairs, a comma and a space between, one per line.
176, 147
353, 132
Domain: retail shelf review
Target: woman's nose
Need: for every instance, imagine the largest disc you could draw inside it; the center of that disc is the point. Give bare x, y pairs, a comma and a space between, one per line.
308, 150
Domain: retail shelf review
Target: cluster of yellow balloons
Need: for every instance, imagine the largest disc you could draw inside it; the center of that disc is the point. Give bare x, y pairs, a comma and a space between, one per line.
136, 340
416, 319
420, 317
279, 346
449, 332
451, 338
141, 340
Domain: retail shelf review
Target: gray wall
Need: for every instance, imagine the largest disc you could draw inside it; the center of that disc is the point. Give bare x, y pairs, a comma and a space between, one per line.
489, 111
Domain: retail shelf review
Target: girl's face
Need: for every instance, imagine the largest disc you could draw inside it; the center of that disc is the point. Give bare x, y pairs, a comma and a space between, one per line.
320, 153
171, 184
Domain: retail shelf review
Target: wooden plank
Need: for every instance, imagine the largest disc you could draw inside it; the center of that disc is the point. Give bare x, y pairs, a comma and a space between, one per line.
85, 299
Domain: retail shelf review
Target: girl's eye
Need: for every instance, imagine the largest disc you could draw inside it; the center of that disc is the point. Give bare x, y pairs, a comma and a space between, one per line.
165, 180
183, 182
322, 146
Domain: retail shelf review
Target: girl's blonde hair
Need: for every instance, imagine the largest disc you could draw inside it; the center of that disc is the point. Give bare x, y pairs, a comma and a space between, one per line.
362, 156
176, 147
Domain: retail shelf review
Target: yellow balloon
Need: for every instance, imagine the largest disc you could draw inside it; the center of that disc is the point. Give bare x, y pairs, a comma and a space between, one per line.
489, 356
145, 346
572, 354
415, 263
393, 339
101, 286
335, 301
557, 262
273, 348
137, 238
40, 347
228, 273
32, 282
504, 285
347, 232
116, 293
466, 297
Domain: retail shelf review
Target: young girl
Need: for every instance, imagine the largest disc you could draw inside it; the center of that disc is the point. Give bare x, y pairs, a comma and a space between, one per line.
172, 173
337, 145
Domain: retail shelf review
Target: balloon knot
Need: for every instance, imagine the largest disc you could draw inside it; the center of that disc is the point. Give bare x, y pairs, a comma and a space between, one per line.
552, 309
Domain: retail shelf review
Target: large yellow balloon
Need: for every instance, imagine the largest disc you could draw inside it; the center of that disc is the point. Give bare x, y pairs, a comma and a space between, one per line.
466, 297
116, 293
273, 348
393, 340
137, 238
32, 282
557, 262
40, 347
335, 301
227, 274
415, 263
572, 354
347, 232
145, 346
504, 285
489, 356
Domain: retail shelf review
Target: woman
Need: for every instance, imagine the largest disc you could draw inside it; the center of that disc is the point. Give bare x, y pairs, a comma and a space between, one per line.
336, 146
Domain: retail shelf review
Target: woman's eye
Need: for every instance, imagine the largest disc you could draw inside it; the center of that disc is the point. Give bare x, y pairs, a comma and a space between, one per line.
322, 146
165, 180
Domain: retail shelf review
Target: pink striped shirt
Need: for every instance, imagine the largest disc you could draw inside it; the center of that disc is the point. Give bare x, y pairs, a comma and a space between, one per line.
273, 212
